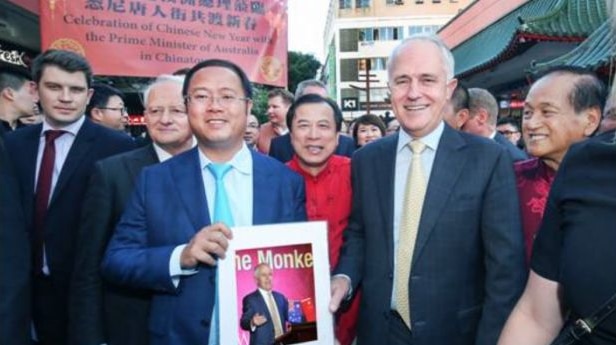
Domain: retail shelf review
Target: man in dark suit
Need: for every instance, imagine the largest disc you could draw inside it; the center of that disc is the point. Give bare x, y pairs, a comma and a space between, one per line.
17, 92
14, 260
434, 234
482, 121
281, 147
106, 313
177, 222
264, 311
53, 162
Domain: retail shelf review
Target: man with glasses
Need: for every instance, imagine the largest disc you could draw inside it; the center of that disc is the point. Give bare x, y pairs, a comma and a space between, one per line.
251, 136
177, 223
102, 312
509, 128
107, 108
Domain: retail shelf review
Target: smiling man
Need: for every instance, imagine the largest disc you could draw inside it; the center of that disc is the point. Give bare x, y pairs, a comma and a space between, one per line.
439, 256
54, 161
314, 123
177, 223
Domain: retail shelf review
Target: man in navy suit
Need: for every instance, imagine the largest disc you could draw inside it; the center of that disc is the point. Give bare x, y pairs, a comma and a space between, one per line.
166, 241
434, 234
53, 161
483, 110
258, 309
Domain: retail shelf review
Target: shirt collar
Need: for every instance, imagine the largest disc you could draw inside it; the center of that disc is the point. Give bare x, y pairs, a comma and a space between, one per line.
431, 140
72, 128
242, 161
164, 155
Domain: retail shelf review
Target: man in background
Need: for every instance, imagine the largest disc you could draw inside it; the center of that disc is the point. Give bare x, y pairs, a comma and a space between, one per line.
278, 103
251, 136
107, 107
18, 94
102, 312
482, 121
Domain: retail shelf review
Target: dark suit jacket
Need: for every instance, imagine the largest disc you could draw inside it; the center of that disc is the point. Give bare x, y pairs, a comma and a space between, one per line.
14, 260
468, 263
282, 150
92, 143
514, 152
166, 209
254, 303
101, 312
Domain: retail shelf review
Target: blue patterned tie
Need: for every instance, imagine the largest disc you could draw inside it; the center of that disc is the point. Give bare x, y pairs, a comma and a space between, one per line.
222, 213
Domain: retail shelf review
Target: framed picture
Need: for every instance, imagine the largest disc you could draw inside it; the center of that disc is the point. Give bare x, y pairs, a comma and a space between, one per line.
291, 262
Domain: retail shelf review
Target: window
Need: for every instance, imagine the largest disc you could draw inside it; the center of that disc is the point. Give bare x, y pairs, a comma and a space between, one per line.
344, 4
362, 3
366, 35
349, 40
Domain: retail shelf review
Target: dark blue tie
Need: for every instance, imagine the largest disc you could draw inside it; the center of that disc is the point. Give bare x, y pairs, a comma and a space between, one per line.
222, 213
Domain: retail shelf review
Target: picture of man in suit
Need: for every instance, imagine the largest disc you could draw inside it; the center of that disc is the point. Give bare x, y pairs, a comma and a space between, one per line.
264, 311
177, 223
53, 162
434, 233
103, 313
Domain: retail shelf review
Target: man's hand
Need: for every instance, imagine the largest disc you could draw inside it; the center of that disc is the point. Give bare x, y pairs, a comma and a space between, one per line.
340, 287
209, 243
258, 319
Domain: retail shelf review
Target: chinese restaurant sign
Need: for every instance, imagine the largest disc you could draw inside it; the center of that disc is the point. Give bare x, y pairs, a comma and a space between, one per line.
150, 37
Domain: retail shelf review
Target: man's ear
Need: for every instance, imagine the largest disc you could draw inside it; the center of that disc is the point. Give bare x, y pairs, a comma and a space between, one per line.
96, 115
8, 93
461, 117
592, 119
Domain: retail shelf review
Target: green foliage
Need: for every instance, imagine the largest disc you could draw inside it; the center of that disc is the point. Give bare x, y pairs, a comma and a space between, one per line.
301, 67
259, 101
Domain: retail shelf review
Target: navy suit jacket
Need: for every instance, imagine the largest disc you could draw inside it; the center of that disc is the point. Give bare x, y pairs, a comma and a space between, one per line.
254, 303
514, 152
103, 313
167, 209
468, 265
282, 150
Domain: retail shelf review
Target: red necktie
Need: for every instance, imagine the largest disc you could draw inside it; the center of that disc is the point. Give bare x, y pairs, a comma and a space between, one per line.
43, 189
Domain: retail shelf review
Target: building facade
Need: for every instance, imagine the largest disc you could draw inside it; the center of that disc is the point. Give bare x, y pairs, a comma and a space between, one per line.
360, 35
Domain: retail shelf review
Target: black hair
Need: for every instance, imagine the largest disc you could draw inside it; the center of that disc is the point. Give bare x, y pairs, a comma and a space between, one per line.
587, 91
509, 120
368, 119
460, 99
312, 99
100, 97
66, 60
246, 86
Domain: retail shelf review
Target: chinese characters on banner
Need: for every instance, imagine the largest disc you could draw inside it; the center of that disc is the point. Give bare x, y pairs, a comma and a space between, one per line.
149, 37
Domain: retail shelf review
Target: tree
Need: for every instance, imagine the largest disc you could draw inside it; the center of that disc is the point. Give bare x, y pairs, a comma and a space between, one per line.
301, 67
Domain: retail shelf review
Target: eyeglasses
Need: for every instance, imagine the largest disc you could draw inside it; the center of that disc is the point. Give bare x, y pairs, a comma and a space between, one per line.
122, 111
205, 99
508, 133
175, 112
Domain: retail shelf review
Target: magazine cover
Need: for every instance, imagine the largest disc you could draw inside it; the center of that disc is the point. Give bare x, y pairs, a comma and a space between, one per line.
274, 285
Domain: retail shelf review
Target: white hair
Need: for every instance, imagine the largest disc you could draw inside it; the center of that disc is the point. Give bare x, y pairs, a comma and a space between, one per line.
446, 55
163, 78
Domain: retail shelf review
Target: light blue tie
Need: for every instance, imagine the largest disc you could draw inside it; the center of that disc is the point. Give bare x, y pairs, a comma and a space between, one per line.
222, 213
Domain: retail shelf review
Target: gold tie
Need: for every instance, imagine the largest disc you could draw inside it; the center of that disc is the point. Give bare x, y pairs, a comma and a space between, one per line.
271, 305
414, 194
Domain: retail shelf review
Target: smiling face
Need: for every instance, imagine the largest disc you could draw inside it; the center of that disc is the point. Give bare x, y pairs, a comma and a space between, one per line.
314, 136
113, 115
218, 127
264, 277
367, 133
419, 87
63, 95
549, 121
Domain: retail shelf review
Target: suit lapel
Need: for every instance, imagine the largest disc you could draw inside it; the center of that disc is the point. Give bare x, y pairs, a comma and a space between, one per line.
186, 174
84, 141
385, 181
262, 210
448, 164
143, 157
30, 152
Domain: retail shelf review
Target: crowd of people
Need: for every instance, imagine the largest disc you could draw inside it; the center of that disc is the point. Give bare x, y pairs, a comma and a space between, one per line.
442, 227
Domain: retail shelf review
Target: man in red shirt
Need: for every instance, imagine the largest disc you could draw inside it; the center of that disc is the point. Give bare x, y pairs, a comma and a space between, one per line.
314, 123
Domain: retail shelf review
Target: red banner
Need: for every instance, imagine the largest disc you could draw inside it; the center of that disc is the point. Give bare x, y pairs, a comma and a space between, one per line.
151, 37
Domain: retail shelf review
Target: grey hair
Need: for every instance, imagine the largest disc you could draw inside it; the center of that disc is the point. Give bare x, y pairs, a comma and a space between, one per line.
163, 78
299, 91
258, 268
446, 54
483, 99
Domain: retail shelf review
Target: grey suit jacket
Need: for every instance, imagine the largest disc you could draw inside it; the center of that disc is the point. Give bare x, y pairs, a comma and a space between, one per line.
468, 264
515, 153
101, 312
